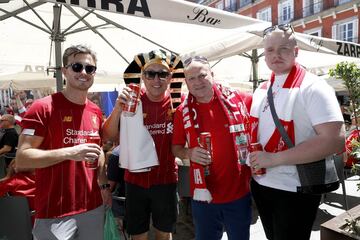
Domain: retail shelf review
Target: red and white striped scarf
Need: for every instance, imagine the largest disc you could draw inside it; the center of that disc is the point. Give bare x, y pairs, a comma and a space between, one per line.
234, 107
288, 94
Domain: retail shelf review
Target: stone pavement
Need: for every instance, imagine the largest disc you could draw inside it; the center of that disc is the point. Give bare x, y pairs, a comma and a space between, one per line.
333, 205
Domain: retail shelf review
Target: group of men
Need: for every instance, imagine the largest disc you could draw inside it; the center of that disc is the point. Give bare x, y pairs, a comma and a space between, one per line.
70, 196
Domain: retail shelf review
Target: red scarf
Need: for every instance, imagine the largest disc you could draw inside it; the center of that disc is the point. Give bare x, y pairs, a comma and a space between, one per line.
293, 81
234, 107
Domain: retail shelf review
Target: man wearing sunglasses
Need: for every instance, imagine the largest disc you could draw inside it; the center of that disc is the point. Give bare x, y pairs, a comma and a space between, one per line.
57, 141
288, 195
224, 113
151, 194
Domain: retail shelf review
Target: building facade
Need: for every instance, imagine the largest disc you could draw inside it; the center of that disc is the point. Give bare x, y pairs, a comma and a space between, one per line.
337, 19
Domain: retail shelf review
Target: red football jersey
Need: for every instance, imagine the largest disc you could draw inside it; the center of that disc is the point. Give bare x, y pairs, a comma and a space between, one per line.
225, 182
69, 187
158, 119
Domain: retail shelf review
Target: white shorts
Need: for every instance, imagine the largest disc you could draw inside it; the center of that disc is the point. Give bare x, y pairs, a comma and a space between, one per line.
84, 226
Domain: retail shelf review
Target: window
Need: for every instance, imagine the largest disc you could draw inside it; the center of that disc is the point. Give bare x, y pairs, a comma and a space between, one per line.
311, 7
219, 5
264, 14
314, 32
227, 4
286, 11
243, 3
346, 30
343, 1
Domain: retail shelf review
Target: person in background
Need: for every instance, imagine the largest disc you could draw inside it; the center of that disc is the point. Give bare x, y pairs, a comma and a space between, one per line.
9, 140
353, 133
152, 193
60, 139
224, 113
309, 111
116, 180
19, 182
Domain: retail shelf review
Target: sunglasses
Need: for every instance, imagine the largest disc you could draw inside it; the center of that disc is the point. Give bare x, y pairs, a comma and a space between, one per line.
195, 58
150, 75
283, 27
79, 67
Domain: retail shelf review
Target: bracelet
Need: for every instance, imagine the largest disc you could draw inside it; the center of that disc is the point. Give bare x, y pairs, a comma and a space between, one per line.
104, 186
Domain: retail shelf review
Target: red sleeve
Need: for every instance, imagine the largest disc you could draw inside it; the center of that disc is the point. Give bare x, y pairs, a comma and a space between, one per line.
5, 187
36, 118
179, 137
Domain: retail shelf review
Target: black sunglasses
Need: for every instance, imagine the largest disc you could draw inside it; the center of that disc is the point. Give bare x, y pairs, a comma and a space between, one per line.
78, 67
283, 27
150, 75
195, 58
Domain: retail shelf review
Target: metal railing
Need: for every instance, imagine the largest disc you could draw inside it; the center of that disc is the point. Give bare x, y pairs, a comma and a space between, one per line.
232, 8
312, 9
340, 2
244, 3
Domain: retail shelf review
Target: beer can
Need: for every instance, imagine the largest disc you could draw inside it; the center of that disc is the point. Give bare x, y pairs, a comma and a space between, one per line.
131, 105
205, 143
253, 148
93, 139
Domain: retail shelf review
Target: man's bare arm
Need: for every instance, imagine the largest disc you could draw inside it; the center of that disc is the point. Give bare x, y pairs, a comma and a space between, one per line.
29, 156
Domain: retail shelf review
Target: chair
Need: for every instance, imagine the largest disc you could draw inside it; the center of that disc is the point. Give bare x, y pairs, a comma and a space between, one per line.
15, 218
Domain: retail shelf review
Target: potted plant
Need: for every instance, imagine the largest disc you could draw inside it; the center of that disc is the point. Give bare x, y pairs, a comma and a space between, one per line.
347, 225
349, 73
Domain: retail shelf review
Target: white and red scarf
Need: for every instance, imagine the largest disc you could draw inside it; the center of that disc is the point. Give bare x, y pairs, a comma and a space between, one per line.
287, 96
234, 107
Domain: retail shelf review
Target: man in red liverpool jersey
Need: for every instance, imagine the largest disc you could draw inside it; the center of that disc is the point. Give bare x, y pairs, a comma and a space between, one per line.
222, 112
55, 140
151, 193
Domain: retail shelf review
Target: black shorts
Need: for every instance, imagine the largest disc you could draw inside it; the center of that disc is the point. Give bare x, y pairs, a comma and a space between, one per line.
159, 201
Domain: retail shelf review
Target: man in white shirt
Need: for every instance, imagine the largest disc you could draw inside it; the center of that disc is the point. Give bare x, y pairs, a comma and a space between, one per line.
308, 109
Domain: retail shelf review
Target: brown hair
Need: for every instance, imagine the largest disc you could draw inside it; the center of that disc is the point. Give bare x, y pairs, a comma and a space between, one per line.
77, 49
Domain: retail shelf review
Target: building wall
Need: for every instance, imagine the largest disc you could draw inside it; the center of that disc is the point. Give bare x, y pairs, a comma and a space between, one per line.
332, 12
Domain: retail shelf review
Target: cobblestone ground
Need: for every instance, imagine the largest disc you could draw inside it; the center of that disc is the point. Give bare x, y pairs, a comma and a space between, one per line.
184, 227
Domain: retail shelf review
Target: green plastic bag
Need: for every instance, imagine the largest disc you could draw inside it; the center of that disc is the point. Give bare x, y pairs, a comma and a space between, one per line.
111, 231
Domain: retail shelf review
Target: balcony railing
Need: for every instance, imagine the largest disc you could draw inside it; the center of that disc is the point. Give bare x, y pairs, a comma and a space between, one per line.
312, 9
244, 3
232, 8
340, 2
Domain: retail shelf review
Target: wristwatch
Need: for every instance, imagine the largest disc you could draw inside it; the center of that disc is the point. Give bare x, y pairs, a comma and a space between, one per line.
104, 186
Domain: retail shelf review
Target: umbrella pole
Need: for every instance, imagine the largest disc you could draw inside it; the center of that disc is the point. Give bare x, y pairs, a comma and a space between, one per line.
254, 62
57, 38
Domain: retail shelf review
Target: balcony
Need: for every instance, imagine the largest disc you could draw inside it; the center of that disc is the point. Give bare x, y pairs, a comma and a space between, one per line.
340, 2
244, 3
232, 8
312, 9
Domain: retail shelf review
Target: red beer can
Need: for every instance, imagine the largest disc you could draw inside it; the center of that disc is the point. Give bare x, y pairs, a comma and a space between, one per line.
93, 139
131, 105
253, 148
205, 143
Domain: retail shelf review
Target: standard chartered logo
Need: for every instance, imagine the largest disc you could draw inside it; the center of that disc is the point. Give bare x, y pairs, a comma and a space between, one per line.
169, 128
160, 128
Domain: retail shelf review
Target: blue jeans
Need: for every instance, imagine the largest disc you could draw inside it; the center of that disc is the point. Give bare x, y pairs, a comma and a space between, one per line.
211, 219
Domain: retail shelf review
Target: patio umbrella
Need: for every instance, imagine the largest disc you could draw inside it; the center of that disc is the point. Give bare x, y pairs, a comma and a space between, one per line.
114, 31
